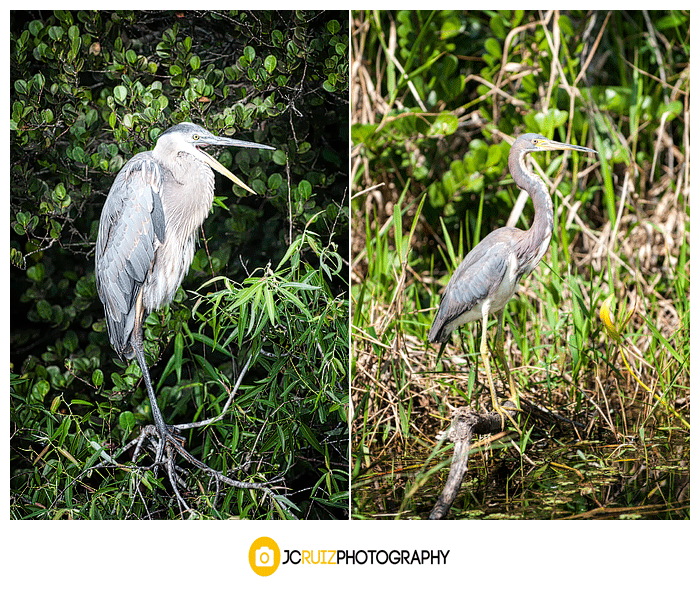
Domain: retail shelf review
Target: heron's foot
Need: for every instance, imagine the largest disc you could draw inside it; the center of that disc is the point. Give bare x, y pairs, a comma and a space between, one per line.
165, 443
168, 445
158, 439
509, 410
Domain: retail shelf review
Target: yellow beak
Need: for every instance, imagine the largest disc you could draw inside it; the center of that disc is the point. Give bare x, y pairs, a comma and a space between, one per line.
214, 164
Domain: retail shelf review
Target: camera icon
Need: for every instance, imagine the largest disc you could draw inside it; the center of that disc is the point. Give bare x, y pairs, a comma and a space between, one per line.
264, 557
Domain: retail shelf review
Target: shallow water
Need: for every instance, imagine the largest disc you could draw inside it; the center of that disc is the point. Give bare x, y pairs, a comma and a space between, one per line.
553, 480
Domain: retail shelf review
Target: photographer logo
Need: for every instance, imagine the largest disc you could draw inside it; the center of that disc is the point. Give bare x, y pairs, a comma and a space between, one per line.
264, 556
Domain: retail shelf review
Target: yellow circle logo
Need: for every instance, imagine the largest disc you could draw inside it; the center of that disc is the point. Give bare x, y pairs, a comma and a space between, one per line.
264, 556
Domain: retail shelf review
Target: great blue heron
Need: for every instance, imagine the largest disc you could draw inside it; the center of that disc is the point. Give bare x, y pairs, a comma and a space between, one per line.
488, 276
147, 236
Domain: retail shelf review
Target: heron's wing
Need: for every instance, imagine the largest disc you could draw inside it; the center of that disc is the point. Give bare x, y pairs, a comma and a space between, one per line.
131, 224
476, 278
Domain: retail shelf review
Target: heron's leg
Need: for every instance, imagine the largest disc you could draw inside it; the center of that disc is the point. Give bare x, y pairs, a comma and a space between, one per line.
500, 353
137, 344
157, 415
503, 412
487, 366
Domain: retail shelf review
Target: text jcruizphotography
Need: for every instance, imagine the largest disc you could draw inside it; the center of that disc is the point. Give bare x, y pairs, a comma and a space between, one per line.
362, 557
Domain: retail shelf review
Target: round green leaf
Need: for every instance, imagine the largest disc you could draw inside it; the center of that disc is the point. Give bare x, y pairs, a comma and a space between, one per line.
40, 389
270, 64
127, 421
97, 378
120, 93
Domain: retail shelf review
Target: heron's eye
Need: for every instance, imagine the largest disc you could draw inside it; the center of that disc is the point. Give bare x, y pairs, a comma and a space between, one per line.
195, 137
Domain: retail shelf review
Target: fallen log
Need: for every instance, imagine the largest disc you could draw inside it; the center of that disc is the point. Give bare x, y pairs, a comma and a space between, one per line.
465, 423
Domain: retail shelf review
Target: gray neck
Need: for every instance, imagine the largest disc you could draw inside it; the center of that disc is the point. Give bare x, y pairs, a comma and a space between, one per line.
534, 243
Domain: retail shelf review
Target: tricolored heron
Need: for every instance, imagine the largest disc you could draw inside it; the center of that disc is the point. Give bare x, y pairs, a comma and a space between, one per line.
488, 276
147, 236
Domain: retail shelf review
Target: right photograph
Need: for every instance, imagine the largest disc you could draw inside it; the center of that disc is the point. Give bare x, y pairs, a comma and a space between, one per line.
520, 265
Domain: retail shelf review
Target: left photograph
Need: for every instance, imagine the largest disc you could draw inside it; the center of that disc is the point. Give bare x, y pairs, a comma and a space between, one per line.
179, 224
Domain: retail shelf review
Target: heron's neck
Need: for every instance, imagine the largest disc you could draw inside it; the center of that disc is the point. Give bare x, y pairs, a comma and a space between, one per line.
527, 180
536, 240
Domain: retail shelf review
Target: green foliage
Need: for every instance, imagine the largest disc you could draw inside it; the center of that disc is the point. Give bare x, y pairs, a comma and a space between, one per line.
447, 65
89, 89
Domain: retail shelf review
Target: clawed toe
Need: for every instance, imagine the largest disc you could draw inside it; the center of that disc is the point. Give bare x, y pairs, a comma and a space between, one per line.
507, 410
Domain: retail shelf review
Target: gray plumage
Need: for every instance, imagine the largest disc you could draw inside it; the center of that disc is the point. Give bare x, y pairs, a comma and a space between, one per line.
148, 230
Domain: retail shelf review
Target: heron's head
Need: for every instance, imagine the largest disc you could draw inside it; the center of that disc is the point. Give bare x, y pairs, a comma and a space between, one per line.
191, 138
530, 143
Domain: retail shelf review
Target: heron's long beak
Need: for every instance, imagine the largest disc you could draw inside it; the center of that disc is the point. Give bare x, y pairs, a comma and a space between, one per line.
562, 146
221, 141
